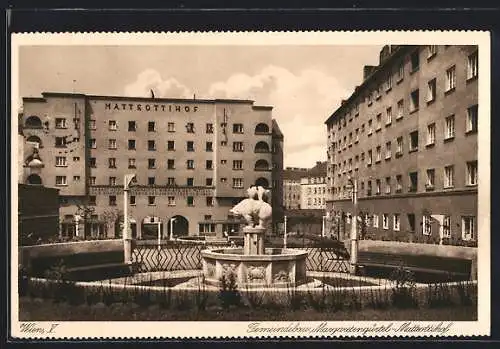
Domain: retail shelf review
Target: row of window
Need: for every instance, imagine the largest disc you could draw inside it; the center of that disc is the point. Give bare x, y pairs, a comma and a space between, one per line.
468, 224
450, 84
316, 201
448, 181
316, 190
471, 125
171, 200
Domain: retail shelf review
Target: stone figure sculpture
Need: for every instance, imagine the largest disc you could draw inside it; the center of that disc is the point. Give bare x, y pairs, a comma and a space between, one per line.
255, 210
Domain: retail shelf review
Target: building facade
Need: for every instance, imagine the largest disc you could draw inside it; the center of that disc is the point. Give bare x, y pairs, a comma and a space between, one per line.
313, 188
291, 187
407, 136
193, 159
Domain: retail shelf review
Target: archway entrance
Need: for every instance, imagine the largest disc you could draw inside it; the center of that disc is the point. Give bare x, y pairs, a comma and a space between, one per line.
180, 226
34, 179
262, 182
33, 122
150, 226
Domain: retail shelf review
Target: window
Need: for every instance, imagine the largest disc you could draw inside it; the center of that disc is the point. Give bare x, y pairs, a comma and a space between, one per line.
151, 145
61, 180
92, 180
414, 101
92, 125
401, 72
356, 162
190, 127
171, 181
369, 188
388, 82
190, 182
171, 127
61, 161
60, 123
151, 126
209, 164
472, 66
377, 94
385, 221
388, 116
396, 222
237, 146
131, 163
223, 162
415, 61
92, 162
112, 144
92, 143
370, 127
132, 200
370, 100
237, 164
449, 128
190, 146
237, 182
356, 139
447, 227
190, 201
431, 51
378, 155
171, 164
468, 228
76, 158
401, 105
210, 201
209, 128
131, 144
112, 162
369, 158
399, 183
171, 200
411, 222
151, 163
472, 173
449, 176
112, 125
112, 200
209, 146
132, 126
223, 180
413, 141
429, 184
350, 139
431, 134
362, 128
387, 185
190, 164
170, 145
209, 182
431, 90
76, 178
112, 181
451, 79
375, 220
399, 146
388, 152
377, 187
413, 177
379, 122
427, 226
223, 143
237, 128
151, 200
471, 126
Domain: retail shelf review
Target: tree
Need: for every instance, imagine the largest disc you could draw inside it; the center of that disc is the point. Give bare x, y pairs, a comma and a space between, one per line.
110, 217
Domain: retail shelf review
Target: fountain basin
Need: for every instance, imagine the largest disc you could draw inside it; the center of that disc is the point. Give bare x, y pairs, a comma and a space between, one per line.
274, 268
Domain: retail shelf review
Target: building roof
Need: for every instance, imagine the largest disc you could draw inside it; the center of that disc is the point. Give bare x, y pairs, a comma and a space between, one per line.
276, 130
319, 170
374, 73
305, 213
294, 173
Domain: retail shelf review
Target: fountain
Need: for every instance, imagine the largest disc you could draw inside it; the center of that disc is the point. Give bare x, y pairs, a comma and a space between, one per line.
254, 265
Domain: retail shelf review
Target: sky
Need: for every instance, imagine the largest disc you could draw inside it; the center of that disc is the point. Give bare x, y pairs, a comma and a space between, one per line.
304, 84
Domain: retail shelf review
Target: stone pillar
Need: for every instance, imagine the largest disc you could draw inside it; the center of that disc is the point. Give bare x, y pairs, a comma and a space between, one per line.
254, 240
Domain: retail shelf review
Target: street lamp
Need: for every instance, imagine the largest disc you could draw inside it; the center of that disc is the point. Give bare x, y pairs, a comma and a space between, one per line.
77, 224
128, 180
172, 220
354, 224
284, 236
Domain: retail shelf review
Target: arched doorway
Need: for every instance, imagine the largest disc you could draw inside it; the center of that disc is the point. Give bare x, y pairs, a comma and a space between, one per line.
261, 147
262, 182
35, 140
33, 122
261, 128
179, 224
261, 165
34, 179
119, 227
150, 226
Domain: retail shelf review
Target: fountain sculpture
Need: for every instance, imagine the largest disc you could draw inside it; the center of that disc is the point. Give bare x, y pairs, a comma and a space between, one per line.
255, 265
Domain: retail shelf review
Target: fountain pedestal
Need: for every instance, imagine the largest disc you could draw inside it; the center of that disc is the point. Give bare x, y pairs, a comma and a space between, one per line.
254, 240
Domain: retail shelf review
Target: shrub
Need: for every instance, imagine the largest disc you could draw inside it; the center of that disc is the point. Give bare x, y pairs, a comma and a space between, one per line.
229, 294
439, 295
317, 300
295, 300
465, 291
403, 291
379, 299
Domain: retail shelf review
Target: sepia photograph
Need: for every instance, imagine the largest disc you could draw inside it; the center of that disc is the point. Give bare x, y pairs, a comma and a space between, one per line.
306, 184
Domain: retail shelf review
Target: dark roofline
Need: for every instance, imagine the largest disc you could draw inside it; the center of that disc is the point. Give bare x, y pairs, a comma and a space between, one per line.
398, 52
146, 99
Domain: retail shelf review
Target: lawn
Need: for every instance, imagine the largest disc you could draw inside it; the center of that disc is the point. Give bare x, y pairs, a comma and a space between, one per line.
36, 309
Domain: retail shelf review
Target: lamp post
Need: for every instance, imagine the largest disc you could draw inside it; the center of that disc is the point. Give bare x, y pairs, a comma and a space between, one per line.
354, 226
77, 224
159, 234
128, 180
172, 220
323, 226
284, 236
